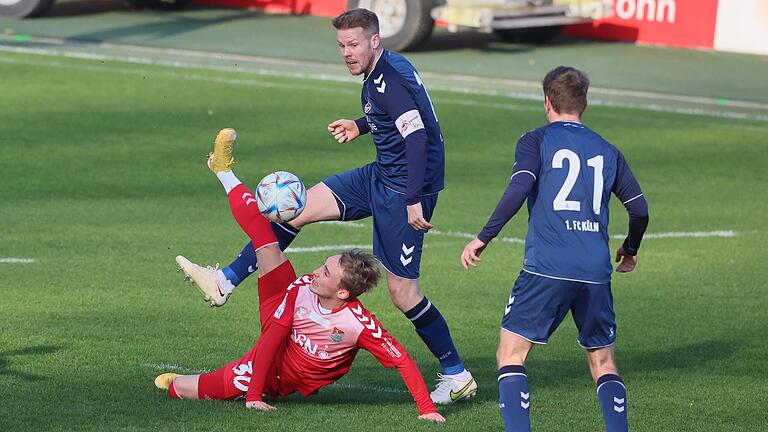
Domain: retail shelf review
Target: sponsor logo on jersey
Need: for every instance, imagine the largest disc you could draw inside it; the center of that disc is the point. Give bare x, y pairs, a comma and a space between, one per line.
390, 348
337, 335
301, 312
281, 308
304, 342
367, 107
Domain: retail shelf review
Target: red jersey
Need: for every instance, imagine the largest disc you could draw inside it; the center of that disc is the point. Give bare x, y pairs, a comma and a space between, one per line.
322, 345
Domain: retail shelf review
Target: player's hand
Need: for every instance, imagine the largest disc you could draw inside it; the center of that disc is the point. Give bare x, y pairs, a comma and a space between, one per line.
416, 218
471, 254
628, 262
260, 405
344, 130
433, 417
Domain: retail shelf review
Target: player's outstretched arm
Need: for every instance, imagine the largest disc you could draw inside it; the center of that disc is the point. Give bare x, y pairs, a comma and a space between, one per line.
344, 130
389, 353
471, 254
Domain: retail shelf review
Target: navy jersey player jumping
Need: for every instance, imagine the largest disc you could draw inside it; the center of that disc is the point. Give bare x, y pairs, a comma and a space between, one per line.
398, 190
567, 173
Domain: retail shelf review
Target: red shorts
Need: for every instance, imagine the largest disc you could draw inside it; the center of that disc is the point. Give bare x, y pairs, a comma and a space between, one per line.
231, 381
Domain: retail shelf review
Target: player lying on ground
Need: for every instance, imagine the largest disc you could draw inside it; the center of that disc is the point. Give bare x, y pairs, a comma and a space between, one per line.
312, 326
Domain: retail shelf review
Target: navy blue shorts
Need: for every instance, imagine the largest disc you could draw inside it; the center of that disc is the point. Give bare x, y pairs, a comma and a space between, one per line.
395, 243
539, 304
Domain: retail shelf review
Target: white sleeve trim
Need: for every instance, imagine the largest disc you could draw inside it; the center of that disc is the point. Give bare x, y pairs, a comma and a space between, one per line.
523, 171
632, 199
409, 123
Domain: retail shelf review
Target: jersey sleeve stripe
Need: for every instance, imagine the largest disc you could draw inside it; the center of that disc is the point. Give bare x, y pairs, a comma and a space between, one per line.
524, 171
632, 199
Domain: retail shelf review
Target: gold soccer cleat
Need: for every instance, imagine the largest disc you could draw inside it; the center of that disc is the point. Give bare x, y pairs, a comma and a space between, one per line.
163, 381
205, 279
221, 158
451, 388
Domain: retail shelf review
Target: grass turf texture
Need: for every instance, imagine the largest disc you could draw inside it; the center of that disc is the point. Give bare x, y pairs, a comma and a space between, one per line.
103, 183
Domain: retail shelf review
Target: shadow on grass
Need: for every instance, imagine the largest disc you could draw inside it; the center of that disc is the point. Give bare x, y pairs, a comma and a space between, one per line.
170, 25
647, 361
5, 369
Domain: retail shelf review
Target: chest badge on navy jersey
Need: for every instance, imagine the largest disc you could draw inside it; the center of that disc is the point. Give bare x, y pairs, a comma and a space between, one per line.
337, 335
367, 107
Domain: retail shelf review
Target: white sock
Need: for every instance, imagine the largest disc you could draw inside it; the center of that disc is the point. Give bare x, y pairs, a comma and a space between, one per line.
228, 180
461, 376
224, 283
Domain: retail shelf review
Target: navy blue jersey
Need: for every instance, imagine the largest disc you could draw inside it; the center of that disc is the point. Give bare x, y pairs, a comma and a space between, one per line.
396, 104
575, 171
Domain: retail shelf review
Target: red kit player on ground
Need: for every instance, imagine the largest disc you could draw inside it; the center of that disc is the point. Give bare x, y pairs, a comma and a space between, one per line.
312, 326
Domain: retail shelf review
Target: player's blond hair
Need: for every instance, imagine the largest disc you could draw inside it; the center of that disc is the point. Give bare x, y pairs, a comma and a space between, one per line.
361, 273
566, 88
359, 17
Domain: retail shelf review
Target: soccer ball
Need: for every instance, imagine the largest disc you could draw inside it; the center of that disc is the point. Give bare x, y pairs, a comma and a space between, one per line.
281, 196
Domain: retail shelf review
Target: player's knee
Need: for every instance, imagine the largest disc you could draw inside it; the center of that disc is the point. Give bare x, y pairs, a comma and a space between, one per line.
273, 248
404, 292
510, 355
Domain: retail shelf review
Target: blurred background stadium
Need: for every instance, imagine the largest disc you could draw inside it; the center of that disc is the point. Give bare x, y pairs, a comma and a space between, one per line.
108, 111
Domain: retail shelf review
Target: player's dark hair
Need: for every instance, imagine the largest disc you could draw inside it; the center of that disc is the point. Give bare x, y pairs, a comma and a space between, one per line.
566, 88
361, 273
359, 17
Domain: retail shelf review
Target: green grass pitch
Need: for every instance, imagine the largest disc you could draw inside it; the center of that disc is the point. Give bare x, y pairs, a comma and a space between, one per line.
103, 184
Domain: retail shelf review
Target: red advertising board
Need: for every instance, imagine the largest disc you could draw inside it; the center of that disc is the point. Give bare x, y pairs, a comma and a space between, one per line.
683, 23
296, 7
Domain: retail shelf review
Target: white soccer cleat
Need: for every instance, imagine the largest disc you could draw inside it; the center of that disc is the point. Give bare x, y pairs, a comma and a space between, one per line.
451, 388
205, 279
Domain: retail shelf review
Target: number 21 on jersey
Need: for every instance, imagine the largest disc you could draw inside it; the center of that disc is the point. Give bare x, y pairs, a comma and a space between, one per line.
561, 201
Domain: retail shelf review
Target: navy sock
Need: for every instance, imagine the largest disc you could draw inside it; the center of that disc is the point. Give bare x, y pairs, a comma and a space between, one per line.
514, 398
433, 330
613, 402
245, 263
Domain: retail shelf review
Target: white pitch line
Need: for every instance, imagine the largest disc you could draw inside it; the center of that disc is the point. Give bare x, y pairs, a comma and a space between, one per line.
315, 65
691, 234
379, 389
17, 260
327, 248
175, 368
706, 102
342, 223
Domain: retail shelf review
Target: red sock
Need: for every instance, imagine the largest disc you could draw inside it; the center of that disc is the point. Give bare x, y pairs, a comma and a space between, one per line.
172, 392
246, 212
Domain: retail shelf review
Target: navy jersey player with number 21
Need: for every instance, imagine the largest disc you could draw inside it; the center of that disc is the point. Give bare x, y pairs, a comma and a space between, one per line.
567, 173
